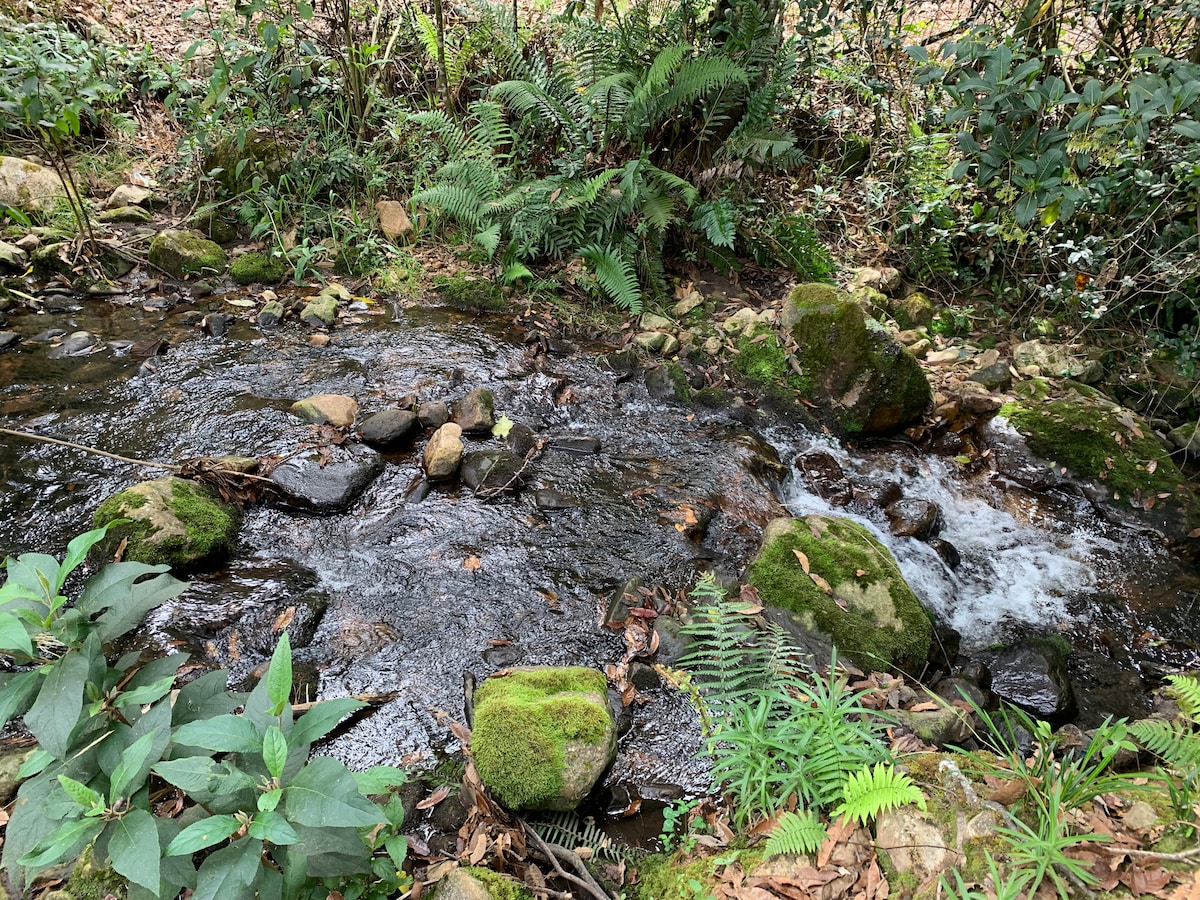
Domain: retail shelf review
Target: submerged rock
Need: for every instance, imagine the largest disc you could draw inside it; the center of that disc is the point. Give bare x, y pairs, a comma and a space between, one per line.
172, 521
329, 479
1033, 676
475, 412
484, 470
867, 380
182, 253
914, 518
861, 601
337, 410
390, 426
543, 735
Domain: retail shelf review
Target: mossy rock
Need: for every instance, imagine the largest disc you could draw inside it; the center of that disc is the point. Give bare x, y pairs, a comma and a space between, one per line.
1112, 446
913, 311
543, 735
257, 268
256, 153
879, 621
182, 253
172, 521
463, 291
864, 379
91, 882
666, 877
215, 227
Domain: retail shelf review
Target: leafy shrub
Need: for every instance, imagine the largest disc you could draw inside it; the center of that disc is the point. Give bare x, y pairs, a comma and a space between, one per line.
111, 738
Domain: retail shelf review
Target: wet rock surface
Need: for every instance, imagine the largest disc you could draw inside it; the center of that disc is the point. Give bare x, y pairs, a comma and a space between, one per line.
329, 479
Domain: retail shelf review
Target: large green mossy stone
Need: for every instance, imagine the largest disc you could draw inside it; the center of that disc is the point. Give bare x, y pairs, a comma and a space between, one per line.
182, 253
256, 268
171, 521
1111, 446
864, 379
542, 736
879, 621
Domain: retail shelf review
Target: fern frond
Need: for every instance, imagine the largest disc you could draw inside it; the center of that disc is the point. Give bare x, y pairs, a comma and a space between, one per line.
869, 792
1174, 742
1186, 691
615, 275
532, 99
718, 220
796, 832
460, 203
569, 830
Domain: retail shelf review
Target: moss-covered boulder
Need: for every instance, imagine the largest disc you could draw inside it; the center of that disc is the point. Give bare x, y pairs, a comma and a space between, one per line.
172, 521
237, 159
477, 883
256, 268
182, 253
866, 381
321, 311
543, 735
1112, 447
852, 592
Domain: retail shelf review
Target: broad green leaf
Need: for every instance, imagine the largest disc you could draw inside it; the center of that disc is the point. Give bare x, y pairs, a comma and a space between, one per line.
14, 637
269, 800
279, 675
377, 779
77, 551
229, 872
133, 848
37, 573
324, 793
128, 609
133, 760
81, 793
68, 837
201, 775
275, 751
147, 693
269, 825
18, 692
224, 734
202, 834
35, 764
397, 849
203, 698
56, 710
321, 719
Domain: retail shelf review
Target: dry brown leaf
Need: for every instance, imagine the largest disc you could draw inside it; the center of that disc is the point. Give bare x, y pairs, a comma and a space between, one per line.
821, 583
927, 706
1151, 466
1189, 890
804, 564
472, 563
435, 798
1004, 792
283, 620
1147, 880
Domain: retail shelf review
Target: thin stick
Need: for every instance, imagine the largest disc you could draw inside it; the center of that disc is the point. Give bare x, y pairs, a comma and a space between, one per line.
553, 853
125, 459
1150, 854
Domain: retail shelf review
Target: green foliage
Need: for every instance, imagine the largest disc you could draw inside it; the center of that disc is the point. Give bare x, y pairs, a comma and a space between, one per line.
1178, 745
869, 792
775, 733
110, 736
796, 832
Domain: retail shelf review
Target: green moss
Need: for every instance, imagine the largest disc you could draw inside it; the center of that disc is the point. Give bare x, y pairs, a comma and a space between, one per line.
183, 253
713, 397
545, 708
765, 363
883, 622
665, 877
1080, 435
467, 292
256, 268
209, 526
498, 887
87, 882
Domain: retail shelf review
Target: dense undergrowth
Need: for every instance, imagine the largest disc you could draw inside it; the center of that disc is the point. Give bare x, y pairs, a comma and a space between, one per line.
1045, 159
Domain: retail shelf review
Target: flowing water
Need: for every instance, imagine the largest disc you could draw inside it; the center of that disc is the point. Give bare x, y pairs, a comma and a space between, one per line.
406, 592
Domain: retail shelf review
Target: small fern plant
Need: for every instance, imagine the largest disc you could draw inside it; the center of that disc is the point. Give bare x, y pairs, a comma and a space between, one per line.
799, 832
1177, 744
869, 792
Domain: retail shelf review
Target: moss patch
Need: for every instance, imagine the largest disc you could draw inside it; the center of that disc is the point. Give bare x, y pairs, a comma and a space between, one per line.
1097, 440
665, 877
464, 291
765, 363
883, 622
256, 268
182, 253
523, 723
498, 887
172, 522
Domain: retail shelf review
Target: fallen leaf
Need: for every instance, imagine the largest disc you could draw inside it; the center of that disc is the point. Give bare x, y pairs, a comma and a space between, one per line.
1149, 880
1004, 792
928, 706
435, 798
472, 563
804, 564
859, 573
1151, 466
283, 620
821, 583
502, 427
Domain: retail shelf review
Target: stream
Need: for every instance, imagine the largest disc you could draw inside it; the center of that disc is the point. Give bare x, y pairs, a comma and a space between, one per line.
406, 592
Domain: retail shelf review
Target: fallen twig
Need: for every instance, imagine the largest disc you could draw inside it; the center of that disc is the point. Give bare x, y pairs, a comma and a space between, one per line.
492, 492
556, 855
125, 459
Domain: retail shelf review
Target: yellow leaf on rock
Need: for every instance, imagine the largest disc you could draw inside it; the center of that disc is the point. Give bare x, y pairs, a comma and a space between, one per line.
804, 564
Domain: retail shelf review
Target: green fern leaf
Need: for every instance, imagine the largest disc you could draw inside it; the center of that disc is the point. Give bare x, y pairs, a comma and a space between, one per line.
615, 275
869, 792
1174, 742
1186, 691
718, 220
796, 832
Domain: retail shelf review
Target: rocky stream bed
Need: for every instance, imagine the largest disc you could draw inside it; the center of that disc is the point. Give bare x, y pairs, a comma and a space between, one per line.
392, 585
